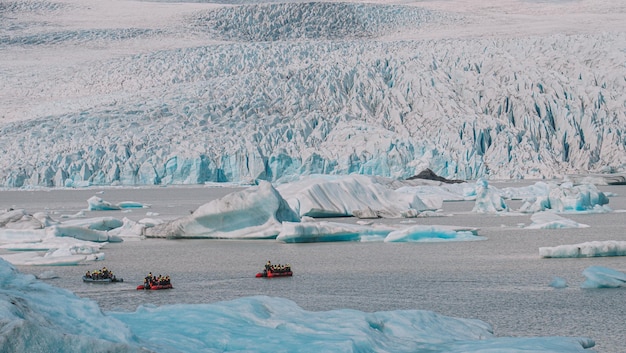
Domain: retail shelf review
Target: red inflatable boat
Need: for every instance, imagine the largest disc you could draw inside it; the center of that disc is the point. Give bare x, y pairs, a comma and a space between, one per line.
155, 286
270, 274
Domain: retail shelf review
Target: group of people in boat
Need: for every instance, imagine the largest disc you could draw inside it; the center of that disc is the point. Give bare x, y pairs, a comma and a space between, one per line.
269, 267
104, 273
159, 280
150, 280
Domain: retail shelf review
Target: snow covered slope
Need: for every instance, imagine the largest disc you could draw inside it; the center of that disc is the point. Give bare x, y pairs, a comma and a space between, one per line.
126, 92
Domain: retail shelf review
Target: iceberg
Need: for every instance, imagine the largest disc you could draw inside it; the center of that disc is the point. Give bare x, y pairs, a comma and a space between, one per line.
253, 213
432, 233
558, 282
96, 203
488, 199
603, 277
340, 196
312, 232
576, 198
548, 220
588, 249
564, 197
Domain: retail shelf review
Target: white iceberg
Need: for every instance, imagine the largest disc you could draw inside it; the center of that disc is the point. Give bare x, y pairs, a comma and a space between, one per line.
488, 199
253, 213
588, 249
549, 220
338, 196
583, 197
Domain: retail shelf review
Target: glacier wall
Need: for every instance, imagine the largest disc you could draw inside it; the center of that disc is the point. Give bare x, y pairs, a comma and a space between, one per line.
280, 90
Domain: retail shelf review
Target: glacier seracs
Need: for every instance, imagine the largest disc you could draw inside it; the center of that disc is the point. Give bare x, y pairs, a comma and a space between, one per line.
135, 104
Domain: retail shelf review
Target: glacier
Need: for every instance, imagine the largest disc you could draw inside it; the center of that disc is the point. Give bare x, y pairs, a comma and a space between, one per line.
189, 93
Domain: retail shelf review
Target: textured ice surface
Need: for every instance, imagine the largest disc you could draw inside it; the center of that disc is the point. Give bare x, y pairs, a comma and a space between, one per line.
192, 93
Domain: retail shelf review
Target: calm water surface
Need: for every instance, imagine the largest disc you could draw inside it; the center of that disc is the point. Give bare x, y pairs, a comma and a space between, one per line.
501, 280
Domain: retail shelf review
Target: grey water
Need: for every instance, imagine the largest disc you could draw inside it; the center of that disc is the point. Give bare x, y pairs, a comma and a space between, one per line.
501, 280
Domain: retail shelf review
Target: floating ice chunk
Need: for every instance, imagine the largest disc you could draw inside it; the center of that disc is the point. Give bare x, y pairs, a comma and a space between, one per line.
308, 232
558, 282
547, 220
603, 277
311, 232
583, 197
561, 198
132, 204
96, 203
488, 200
432, 233
589, 249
